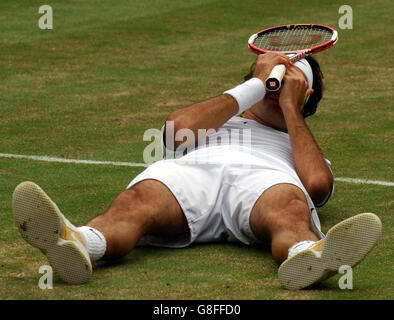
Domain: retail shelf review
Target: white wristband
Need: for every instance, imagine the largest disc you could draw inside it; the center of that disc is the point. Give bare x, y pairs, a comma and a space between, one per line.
247, 93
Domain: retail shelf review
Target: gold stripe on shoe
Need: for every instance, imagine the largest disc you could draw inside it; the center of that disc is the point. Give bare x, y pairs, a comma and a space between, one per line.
347, 243
67, 233
43, 226
318, 246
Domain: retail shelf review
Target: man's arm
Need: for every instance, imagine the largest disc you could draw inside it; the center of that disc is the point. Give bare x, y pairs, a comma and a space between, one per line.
310, 164
214, 112
208, 114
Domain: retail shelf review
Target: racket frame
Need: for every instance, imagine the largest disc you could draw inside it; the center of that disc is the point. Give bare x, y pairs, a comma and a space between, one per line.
308, 51
273, 82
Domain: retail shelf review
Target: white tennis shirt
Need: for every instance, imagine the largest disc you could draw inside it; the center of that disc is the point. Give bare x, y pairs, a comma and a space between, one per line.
247, 142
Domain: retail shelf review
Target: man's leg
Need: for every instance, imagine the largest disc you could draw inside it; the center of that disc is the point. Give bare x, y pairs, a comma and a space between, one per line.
281, 216
148, 207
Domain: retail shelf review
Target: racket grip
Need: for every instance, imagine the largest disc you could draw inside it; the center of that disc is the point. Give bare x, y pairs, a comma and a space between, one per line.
274, 80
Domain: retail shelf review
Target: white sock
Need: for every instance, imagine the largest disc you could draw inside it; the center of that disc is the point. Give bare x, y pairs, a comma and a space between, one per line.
300, 246
94, 241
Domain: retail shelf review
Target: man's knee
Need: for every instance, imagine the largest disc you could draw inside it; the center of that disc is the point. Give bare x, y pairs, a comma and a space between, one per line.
282, 207
131, 206
297, 211
150, 204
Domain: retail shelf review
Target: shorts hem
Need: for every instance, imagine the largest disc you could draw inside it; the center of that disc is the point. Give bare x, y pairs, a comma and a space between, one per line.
160, 241
247, 228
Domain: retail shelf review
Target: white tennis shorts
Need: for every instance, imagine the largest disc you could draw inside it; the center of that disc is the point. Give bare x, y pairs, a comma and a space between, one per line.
217, 195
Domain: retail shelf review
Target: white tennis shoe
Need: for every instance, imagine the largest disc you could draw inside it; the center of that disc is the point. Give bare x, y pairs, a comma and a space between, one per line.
347, 243
42, 225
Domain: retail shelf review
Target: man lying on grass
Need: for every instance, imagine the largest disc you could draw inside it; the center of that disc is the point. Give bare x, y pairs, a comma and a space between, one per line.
263, 188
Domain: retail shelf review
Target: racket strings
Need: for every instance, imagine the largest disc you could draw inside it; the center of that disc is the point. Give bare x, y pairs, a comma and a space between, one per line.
292, 40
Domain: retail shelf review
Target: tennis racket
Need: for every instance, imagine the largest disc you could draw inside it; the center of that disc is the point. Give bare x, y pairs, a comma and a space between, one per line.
297, 40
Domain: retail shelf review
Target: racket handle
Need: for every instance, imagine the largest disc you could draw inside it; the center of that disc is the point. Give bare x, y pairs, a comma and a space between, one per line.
274, 80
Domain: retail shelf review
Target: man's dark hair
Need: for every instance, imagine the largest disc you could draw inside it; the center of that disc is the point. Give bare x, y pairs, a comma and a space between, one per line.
311, 106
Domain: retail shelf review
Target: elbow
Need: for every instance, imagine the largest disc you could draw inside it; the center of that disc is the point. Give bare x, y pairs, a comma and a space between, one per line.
171, 119
319, 187
176, 131
176, 122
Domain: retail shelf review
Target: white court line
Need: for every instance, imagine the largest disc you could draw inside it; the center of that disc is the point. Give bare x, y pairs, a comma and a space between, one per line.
77, 161
354, 180
136, 164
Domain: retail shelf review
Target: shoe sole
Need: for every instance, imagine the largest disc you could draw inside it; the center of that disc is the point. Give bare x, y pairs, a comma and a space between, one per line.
347, 243
39, 221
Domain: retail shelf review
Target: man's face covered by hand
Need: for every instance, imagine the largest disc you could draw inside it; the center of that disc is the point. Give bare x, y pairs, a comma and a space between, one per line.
293, 90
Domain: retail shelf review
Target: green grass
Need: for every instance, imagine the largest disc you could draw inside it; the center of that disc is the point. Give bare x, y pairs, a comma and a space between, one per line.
89, 88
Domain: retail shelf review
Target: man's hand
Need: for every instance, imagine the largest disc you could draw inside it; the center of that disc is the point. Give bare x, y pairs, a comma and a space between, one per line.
266, 62
294, 91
